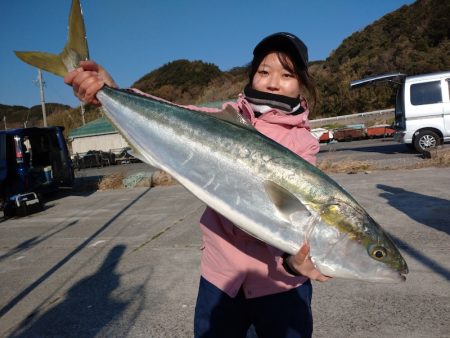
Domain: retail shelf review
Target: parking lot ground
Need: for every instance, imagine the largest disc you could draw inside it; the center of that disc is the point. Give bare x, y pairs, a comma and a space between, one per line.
125, 263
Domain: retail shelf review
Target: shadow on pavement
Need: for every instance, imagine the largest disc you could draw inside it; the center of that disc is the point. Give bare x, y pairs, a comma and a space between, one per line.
427, 210
420, 257
13, 302
381, 149
29, 243
87, 308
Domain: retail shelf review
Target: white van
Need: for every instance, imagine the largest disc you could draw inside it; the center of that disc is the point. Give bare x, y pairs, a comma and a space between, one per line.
422, 109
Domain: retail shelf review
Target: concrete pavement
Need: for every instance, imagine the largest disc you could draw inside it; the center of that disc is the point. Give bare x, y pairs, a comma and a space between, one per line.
125, 263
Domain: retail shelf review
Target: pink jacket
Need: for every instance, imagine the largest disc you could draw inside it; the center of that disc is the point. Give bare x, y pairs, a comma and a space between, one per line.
231, 258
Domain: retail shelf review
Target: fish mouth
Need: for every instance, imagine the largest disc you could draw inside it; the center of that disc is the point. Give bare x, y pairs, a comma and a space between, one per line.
391, 279
396, 276
402, 274
403, 270
389, 276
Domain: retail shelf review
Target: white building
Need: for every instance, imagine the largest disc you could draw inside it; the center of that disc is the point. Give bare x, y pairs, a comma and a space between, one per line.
96, 135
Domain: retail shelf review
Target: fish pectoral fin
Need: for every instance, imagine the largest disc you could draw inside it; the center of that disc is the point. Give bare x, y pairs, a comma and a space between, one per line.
289, 206
232, 115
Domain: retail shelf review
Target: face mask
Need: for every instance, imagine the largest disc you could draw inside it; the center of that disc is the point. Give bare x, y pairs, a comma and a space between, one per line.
262, 102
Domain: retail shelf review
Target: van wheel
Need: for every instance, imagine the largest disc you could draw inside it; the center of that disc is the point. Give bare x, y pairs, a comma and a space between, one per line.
426, 140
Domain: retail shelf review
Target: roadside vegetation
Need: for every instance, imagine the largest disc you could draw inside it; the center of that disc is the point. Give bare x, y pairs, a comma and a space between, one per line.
439, 157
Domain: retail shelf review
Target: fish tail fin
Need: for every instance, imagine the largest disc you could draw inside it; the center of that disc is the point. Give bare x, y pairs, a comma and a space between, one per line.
74, 51
50, 62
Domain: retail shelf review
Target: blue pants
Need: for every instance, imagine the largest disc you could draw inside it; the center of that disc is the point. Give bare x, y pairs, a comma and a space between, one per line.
282, 315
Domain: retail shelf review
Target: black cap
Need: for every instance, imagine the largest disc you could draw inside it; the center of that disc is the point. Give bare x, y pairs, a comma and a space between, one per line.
284, 42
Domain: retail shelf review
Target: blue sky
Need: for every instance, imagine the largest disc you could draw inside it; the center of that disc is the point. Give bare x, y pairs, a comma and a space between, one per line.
131, 38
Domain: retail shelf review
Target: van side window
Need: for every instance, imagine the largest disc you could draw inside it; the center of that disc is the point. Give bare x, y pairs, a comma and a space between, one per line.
426, 93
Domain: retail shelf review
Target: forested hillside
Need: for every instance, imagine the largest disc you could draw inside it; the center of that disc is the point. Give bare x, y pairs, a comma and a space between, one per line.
180, 81
18, 116
413, 39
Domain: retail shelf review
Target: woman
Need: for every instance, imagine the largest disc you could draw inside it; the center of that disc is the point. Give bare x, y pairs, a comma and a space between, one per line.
245, 281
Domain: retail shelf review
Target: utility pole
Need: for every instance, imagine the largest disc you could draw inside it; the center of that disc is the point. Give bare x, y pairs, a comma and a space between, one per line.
4, 121
41, 86
82, 113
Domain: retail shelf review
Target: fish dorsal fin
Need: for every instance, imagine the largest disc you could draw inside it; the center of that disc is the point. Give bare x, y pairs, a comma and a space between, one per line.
291, 209
232, 115
74, 51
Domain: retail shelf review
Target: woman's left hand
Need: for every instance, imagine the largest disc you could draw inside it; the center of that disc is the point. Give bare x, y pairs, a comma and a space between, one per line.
301, 262
87, 80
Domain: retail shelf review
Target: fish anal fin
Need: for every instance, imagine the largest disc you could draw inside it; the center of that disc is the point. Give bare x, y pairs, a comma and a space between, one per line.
135, 153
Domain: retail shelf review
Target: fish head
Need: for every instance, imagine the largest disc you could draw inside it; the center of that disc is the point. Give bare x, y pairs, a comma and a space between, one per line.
348, 243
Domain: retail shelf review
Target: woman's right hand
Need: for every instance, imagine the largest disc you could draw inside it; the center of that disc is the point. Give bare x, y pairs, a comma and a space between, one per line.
302, 264
87, 80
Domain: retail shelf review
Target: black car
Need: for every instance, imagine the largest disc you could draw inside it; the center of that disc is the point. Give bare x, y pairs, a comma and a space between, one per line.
33, 161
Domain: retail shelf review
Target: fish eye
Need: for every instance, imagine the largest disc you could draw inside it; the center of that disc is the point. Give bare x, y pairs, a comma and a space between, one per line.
378, 252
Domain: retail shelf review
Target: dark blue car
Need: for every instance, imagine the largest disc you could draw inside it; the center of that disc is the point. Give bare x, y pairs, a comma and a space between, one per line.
33, 161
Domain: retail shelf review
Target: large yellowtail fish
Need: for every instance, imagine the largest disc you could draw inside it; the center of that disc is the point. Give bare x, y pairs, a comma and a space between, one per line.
265, 189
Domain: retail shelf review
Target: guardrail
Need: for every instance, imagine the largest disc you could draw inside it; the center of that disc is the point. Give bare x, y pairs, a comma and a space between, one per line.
354, 117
